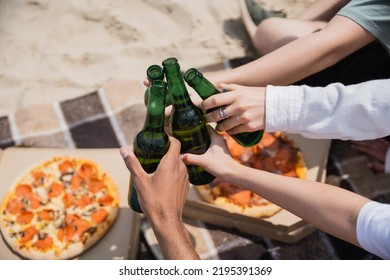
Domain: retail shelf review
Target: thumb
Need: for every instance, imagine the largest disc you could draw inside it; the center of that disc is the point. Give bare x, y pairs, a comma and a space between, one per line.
131, 161
190, 159
174, 145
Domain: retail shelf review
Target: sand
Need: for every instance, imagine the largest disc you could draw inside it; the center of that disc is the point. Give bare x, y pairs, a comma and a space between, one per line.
56, 50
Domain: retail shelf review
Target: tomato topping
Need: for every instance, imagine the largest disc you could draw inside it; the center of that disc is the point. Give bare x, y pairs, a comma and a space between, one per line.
85, 171
44, 244
83, 201
269, 165
80, 226
23, 190
106, 200
39, 176
66, 232
45, 215
35, 200
242, 198
14, 206
56, 190
65, 167
95, 185
99, 216
28, 234
25, 217
76, 182
67, 199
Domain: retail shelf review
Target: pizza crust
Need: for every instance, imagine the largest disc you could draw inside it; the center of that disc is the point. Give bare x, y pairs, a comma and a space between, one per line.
267, 209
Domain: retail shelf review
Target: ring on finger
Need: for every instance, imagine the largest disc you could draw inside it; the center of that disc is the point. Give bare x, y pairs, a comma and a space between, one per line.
223, 113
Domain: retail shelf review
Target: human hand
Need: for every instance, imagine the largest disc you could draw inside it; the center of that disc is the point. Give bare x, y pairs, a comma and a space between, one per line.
163, 193
245, 107
376, 150
216, 160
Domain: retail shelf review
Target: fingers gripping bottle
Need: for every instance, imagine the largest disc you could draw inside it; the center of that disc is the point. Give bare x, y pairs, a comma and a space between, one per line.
153, 73
151, 143
187, 122
205, 89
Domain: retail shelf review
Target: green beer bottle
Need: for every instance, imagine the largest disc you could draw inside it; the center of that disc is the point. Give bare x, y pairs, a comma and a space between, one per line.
187, 122
206, 89
151, 143
153, 73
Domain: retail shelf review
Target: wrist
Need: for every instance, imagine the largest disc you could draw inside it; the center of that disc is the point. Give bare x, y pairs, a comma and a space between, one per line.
160, 218
231, 170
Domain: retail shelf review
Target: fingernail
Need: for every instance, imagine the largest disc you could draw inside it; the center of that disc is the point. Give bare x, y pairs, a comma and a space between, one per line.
124, 151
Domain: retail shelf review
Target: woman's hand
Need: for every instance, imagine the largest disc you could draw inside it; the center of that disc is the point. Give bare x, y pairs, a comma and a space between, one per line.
245, 107
216, 160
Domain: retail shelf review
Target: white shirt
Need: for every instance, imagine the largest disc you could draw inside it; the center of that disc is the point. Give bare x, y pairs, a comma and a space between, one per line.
373, 228
357, 112
354, 112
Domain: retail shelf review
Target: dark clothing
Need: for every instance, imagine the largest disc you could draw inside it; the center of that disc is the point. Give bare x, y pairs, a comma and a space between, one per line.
371, 62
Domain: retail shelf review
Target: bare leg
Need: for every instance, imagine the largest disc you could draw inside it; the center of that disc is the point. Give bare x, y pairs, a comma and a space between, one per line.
272, 33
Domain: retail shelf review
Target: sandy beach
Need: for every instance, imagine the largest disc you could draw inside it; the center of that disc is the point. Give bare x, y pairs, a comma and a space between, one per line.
57, 50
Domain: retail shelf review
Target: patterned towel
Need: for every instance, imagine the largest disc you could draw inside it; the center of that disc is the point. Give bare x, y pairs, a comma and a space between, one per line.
106, 118
111, 116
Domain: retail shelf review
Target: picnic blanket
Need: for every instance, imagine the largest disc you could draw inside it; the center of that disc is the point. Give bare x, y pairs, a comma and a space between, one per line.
111, 116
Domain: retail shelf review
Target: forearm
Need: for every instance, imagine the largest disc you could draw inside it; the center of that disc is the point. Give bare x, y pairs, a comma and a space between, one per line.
174, 240
329, 208
302, 57
283, 66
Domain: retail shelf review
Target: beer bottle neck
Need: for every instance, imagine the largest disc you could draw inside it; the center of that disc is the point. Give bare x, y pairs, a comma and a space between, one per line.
155, 112
199, 83
177, 89
155, 72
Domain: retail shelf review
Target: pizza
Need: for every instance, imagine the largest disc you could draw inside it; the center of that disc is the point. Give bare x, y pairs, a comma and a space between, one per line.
275, 153
58, 209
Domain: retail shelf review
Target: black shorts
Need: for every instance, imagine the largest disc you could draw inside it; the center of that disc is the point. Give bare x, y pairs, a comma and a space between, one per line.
371, 62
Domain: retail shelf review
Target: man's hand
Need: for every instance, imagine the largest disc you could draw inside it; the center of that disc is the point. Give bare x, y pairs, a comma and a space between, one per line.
162, 196
163, 193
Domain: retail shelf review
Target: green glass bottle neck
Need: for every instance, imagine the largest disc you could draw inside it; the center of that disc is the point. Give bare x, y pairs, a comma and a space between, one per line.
155, 112
155, 72
200, 84
177, 89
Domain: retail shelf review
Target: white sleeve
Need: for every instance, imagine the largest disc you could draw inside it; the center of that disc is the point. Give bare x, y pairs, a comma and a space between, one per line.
373, 229
355, 112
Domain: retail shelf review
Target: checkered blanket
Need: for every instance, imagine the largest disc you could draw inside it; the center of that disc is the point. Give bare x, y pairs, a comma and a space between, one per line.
111, 116
106, 118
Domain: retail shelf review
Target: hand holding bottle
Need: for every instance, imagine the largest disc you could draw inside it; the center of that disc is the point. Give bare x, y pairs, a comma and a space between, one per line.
244, 106
157, 198
217, 159
162, 196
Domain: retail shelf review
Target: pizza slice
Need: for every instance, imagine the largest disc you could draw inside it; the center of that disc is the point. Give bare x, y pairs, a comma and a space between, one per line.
275, 153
